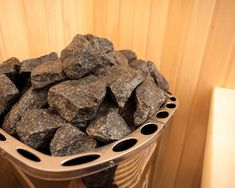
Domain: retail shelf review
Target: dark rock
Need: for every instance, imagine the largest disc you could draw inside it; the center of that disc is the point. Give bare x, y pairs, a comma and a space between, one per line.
10, 68
150, 68
103, 179
100, 69
29, 64
69, 140
149, 99
37, 127
127, 112
30, 100
82, 57
106, 104
130, 55
9, 93
157, 76
46, 74
99, 43
117, 58
108, 128
141, 65
122, 81
77, 100
81, 125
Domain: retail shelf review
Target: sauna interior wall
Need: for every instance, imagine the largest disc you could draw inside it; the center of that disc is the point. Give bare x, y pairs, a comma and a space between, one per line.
191, 41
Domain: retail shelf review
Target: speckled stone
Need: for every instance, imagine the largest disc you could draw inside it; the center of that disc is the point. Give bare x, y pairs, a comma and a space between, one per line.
83, 56
108, 128
47, 74
101, 44
157, 76
149, 99
30, 100
122, 81
81, 125
38, 126
106, 104
139, 64
117, 58
29, 64
127, 112
10, 68
70, 140
130, 55
9, 93
77, 100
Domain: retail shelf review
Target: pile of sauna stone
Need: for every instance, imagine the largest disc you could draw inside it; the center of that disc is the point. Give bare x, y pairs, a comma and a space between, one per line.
90, 96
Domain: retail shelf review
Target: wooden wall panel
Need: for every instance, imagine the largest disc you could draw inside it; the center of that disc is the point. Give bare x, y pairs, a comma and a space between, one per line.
13, 31
191, 41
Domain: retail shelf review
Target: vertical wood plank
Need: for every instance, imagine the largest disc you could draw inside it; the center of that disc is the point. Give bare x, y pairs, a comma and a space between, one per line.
141, 26
70, 22
13, 31
189, 56
2, 48
85, 16
219, 47
177, 27
106, 20
112, 25
156, 31
126, 25
100, 14
54, 19
36, 23
229, 76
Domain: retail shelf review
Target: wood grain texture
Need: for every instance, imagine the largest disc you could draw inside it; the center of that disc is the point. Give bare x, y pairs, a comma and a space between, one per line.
191, 41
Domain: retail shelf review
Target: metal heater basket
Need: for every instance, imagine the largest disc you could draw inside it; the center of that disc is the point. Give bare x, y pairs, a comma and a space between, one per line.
134, 157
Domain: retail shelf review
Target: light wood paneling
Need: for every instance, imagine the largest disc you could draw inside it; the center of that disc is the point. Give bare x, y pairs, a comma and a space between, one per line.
191, 41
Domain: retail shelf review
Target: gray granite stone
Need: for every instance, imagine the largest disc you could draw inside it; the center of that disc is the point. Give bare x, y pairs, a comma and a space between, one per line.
8, 95
38, 126
108, 128
30, 100
101, 44
83, 56
117, 58
149, 99
10, 68
139, 64
47, 74
157, 76
70, 140
29, 64
122, 80
130, 55
77, 100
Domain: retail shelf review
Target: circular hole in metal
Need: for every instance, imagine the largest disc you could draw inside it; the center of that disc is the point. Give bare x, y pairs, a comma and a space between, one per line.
149, 129
124, 145
172, 98
28, 155
170, 105
81, 160
162, 114
2, 137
